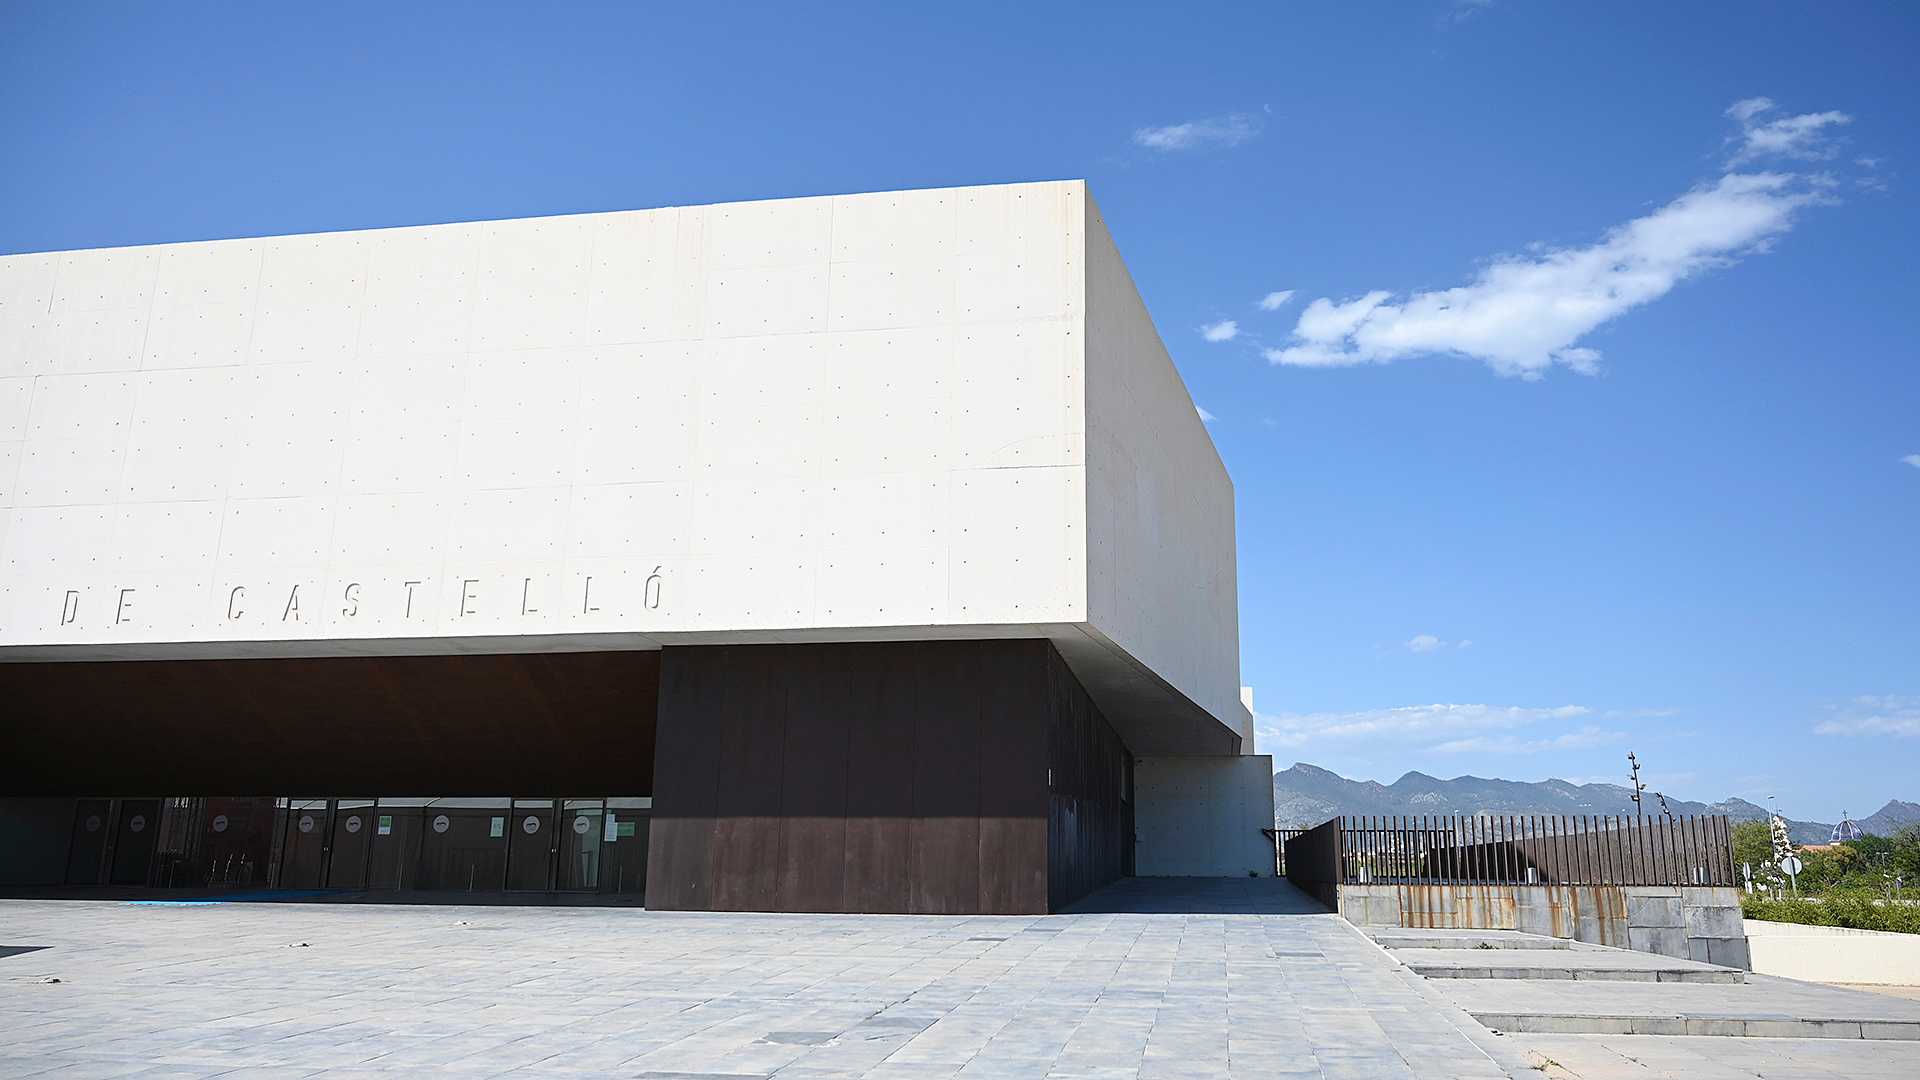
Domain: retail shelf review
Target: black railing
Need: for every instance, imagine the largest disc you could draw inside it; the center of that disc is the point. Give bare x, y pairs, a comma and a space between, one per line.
1280, 838
1515, 849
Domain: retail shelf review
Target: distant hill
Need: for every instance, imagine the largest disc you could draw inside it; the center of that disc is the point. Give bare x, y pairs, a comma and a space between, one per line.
1890, 818
1307, 795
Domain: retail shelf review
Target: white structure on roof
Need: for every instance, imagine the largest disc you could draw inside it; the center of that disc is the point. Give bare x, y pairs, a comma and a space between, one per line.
918, 414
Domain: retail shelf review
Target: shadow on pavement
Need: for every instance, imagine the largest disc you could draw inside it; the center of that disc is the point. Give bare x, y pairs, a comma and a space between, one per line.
1199, 896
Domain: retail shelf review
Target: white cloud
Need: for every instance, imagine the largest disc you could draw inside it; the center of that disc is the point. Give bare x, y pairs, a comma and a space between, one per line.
1426, 643
1405, 722
1523, 314
1205, 416
1466, 9
1512, 744
1886, 714
1230, 130
1224, 330
1276, 300
1803, 136
1913, 460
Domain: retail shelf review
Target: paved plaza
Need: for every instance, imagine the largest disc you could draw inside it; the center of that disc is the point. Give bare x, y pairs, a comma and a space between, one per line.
255, 989
1147, 979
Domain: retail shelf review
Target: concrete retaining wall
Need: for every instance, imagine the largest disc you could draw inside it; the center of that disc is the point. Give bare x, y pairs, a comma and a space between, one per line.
1689, 922
1202, 816
1834, 954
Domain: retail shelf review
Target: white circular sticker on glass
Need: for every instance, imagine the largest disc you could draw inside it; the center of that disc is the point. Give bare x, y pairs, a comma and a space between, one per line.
531, 825
581, 825
440, 823
219, 823
138, 823
93, 822
353, 823
306, 822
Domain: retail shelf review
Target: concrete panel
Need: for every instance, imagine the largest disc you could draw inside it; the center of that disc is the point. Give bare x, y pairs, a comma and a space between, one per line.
1016, 396
533, 283
26, 305
309, 298
1015, 540
636, 418
754, 300
403, 424
203, 305
1203, 816
634, 293
421, 290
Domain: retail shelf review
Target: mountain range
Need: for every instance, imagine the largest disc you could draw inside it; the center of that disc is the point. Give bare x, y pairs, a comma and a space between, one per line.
1307, 795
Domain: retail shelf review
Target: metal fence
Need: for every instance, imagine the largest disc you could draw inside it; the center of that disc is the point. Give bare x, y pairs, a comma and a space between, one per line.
1280, 838
1514, 849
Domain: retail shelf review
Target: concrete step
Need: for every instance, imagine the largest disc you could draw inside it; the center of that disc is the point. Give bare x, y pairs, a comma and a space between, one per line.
1770, 1027
1763, 1006
1438, 938
1611, 965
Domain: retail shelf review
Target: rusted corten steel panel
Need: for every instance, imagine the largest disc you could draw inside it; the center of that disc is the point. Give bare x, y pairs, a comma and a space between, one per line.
929, 777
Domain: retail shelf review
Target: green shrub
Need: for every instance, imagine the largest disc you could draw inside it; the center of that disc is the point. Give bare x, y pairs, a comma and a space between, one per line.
1856, 909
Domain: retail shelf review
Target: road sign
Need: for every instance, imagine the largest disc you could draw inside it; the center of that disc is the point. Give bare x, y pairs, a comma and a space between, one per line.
1791, 865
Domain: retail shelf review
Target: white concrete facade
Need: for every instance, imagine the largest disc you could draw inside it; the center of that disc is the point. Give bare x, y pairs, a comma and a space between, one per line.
936, 413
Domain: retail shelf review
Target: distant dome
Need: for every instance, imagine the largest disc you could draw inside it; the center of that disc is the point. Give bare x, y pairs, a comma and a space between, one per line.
1848, 829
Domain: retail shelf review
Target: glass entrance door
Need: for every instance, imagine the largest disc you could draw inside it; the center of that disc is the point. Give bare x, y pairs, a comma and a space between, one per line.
303, 852
91, 818
464, 844
623, 853
582, 836
532, 845
353, 830
133, 840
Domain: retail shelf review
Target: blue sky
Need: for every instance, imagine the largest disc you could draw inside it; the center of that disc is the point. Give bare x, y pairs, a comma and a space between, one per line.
1638, 483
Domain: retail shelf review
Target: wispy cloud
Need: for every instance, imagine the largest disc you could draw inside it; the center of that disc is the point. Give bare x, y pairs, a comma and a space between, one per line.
1913, 460
1885, 714
1221, 131
1205, 416
1804, 136
1513, 744
1224, 330
1462, 10
1408, 722
1276, 300
1426, 643
1523, 314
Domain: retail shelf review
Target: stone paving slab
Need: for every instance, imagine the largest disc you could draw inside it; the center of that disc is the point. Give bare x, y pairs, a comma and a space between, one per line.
387, 991
1618, 965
